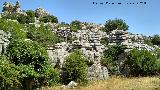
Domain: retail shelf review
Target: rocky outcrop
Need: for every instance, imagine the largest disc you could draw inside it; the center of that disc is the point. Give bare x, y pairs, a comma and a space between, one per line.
4, 41
121, 37
40, 12
96, 71
10, 8
88, 41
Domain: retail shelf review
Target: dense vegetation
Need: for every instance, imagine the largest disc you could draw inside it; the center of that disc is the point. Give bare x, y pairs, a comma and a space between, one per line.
43, 35
119, 24
28, 16
75, 25
112, 58
75, 68
135, 62
142, 62
156, 40
49, 18
26, 63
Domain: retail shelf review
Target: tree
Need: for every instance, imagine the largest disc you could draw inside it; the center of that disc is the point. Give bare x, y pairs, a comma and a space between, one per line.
156, 40
75, 25
12, 16
75, 68
157, 51
112, 58
148, 42
21, 18
141, 62
28, 18
104, 41
49, 18
43, 35
15, 28
111, 25
9, 74
33, 63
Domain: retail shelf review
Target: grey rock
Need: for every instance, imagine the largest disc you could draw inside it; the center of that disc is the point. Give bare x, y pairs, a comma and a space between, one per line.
4, 41
96, 71
72, 84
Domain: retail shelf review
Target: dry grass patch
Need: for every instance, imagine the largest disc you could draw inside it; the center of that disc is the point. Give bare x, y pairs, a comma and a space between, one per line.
120, 83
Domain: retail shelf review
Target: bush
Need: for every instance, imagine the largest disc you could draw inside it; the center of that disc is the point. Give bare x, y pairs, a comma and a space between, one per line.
148, 42
111, 25
28, 18
75, 68
13, 16
43, 35
15, 28
49, 18
75, 25
9, 74
33, 63
141, 62
104, 41
156, 40
21, 18
112, 58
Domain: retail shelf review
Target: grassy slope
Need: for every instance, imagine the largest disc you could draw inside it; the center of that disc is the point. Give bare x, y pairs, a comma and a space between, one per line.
120, 83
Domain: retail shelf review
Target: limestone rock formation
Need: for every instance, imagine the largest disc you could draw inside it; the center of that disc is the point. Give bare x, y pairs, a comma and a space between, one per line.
88, 41
4, 41
40, 12
10, 8
121, 37
96, 71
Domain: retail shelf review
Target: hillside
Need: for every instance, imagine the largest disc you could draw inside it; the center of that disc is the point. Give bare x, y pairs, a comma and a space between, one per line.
39, 51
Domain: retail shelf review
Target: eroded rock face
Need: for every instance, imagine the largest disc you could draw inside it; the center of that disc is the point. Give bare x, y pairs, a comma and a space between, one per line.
96, 71
58, 54
121, 37
40, 12
88, 41
4, 41
10, 8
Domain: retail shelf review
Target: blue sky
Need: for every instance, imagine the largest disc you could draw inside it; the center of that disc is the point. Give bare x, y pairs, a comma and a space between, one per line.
141, 18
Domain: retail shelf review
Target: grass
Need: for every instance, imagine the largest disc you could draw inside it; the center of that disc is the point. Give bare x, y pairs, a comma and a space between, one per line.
119, 83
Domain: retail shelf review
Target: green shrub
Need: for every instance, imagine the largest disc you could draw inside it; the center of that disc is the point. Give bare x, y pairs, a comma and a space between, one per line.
157, 52
75, 68
9, 74
112, 58
156, 40
50, 75
141, 62
43, 35
13, 16
75, 25
33, 63
148, 42
49, 18
104, 41
21, 18
158, 66
111, 25
15, 28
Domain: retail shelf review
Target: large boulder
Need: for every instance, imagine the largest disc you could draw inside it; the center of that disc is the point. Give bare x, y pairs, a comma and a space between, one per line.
4, 41
96, 71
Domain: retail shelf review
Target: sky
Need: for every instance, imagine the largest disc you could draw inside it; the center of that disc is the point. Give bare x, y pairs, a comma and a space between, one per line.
141, 18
